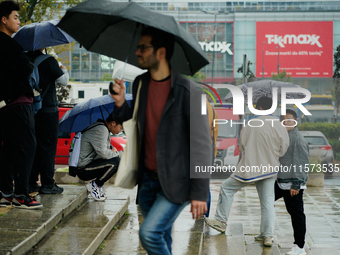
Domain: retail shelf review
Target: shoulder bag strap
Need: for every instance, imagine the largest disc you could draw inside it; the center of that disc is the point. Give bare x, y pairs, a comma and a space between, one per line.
135, 110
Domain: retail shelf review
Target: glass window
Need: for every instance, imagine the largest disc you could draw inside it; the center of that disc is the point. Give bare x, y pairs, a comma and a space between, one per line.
225, 131
81, 94
105, 92
315, 140
85, 61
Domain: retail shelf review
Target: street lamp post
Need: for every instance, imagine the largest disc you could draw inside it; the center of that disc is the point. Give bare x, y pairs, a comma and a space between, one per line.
213, 61
263, 59
215, 35
278, 59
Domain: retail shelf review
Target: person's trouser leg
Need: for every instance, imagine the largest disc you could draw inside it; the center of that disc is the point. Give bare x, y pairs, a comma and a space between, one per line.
159, 215
101, 170
265, 190
19, 146
228, 188
295, 208
46, 129
208, 205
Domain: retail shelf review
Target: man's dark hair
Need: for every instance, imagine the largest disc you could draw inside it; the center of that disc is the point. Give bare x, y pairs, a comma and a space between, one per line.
6, 8
115, 118
264, 102
292, 112
160, 39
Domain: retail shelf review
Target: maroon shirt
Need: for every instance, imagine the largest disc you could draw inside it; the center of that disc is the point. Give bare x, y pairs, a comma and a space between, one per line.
21, 100
158, 92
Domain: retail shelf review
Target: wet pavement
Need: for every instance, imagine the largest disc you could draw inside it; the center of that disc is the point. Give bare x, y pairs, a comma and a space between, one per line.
322, 208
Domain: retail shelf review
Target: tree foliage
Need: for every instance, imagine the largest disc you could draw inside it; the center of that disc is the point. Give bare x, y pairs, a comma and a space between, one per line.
63, 92
32, 11
249, 74
37, 10
197, 77
283, 76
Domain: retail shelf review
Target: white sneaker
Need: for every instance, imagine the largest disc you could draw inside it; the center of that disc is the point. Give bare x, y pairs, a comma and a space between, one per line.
94, 191
216, 224
102, 192
267, 241
296, 250
258, 238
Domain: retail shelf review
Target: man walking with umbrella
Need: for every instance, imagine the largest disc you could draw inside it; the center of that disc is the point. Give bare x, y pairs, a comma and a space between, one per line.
167, 139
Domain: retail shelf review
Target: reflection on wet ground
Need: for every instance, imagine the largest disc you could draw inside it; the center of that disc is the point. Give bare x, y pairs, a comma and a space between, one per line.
322, 208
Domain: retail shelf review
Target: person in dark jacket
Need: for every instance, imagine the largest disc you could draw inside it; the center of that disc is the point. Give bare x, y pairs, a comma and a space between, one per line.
173, 138
47, 124
16, 117
291, 184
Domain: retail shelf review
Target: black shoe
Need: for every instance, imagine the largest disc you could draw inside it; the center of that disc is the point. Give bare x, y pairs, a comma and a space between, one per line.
6, 199
51, 189
24, 202
33, 188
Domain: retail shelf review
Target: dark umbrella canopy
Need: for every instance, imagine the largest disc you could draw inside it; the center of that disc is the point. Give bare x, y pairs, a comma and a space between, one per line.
107, 27
41, 35
263, 88
84, 114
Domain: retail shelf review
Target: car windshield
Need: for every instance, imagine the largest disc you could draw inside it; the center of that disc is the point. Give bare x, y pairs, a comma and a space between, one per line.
316, 140
225, 131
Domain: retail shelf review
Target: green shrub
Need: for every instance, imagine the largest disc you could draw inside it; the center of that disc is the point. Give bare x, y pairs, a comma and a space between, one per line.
336, 148
330, 130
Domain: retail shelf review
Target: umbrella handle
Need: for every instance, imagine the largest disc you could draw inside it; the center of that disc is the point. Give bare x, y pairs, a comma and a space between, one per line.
130, 48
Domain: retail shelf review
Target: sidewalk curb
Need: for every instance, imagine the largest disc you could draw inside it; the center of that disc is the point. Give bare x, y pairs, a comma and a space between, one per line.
200, 251
107, 229
38, 234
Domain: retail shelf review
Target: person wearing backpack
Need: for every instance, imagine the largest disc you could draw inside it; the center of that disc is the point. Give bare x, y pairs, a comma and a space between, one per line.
17, 133
98, 160
46, 122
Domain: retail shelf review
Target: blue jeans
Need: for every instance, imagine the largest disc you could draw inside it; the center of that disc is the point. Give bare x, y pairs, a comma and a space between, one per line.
159, 215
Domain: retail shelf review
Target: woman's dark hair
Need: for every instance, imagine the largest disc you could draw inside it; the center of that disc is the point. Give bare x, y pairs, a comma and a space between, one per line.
160, 39
6, 8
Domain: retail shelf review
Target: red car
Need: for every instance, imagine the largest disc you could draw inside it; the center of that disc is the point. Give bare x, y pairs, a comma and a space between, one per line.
65, 139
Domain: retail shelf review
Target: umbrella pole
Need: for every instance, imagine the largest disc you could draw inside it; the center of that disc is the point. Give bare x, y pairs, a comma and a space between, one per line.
101, 112
130, 48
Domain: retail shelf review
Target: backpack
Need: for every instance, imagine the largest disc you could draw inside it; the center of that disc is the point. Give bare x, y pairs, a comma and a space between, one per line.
74, 151
34, 82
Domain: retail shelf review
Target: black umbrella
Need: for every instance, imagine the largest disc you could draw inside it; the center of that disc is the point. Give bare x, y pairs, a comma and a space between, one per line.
264, 88
108, 28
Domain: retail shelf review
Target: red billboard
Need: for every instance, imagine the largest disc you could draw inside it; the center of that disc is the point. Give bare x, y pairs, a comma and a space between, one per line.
302, 49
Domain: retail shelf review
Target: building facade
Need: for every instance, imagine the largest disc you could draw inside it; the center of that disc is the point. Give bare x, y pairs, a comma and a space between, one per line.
298, 37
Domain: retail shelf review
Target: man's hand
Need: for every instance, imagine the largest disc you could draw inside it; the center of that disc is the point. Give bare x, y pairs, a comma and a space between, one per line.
293, 192
198, 208
114, 149
119, 88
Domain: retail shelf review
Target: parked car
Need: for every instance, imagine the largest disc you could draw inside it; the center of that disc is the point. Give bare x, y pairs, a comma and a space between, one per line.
228, 152
319, 147
65, 139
